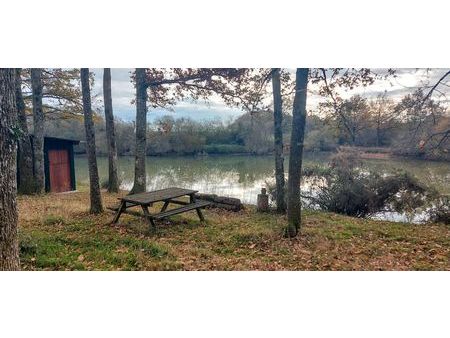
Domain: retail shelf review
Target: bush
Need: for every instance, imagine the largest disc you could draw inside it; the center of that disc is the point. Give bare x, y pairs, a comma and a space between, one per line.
351, 190
440, 212
345, 187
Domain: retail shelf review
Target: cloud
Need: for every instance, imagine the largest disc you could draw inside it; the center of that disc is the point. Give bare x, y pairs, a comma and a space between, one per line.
123, 92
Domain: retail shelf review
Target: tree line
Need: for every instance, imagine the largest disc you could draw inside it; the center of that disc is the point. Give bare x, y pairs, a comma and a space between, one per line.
253, 90
376, 123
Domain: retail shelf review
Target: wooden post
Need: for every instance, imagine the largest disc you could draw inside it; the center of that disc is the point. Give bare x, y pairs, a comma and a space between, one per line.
263, 201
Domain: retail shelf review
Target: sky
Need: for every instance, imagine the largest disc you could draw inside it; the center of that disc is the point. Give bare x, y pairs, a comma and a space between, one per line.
123, 92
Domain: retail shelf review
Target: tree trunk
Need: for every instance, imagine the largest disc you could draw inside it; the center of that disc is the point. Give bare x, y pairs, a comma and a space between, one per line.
38, 122
94, 185
113, 180
9, 249
278, 136
141, 131
296, 153
353, 135
378, 134
26, 183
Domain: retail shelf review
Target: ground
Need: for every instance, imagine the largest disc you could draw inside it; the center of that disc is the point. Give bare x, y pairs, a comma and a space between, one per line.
56, 232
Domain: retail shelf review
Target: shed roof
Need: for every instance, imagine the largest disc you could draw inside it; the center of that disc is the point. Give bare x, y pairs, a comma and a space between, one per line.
52, 138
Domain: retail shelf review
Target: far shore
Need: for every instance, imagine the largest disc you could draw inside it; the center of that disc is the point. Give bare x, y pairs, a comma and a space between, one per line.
368, 155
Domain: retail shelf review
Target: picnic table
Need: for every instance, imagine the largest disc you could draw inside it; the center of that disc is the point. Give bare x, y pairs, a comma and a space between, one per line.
168, 196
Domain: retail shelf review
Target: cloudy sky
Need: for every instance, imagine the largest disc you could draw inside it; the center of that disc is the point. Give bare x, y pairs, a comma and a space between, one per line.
407, 81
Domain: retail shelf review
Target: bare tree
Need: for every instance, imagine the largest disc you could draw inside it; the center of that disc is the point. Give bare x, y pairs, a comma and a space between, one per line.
429, 125
355, 116
434, 88
94, 185
382, 115
113, 180
26, 183
296, 152
9, 251
331, 80
278, 136
439, 138
140, 178
38, 122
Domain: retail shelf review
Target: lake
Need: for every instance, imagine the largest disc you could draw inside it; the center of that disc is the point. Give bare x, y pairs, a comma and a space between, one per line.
244, 176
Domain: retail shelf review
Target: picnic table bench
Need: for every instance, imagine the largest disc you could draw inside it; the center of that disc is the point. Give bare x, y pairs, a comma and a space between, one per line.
168, 196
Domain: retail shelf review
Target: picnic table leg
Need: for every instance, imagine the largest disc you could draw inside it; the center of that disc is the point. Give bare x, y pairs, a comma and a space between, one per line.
122, 207
148, 216
199, 212
166, 204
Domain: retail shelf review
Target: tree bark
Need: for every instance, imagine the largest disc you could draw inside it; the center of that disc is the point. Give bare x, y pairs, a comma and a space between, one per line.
9, 249
26, 184
141, 132
278, 136
296, 152
94, 185
113, 179
38, 122
378, 133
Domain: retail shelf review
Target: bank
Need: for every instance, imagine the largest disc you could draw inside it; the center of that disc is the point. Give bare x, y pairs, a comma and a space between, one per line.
58, 233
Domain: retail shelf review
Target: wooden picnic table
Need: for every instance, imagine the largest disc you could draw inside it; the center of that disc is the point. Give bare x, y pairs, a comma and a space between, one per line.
168, 196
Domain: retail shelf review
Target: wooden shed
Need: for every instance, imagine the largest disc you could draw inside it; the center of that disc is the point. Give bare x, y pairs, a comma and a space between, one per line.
59, 164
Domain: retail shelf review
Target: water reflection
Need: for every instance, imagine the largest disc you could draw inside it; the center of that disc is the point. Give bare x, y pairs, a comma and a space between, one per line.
243, 176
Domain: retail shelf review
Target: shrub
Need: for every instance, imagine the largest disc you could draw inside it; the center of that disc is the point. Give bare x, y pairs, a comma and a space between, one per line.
345, 187
351, 190
440, 212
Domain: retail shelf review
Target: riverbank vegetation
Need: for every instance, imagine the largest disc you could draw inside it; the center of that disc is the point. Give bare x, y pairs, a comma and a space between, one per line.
378, 126
60, 234
346, 186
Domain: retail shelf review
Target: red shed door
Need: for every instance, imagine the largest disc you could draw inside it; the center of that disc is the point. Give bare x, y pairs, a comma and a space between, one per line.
59, 170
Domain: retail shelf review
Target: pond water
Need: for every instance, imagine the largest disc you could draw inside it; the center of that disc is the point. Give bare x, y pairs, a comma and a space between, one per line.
244, 176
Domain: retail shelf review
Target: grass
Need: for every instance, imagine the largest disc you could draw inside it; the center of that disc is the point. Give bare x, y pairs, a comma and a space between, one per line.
58, 233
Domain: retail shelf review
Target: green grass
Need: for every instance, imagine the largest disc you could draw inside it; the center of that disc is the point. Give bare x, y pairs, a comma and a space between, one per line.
85, 245
69, 238
53, 220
